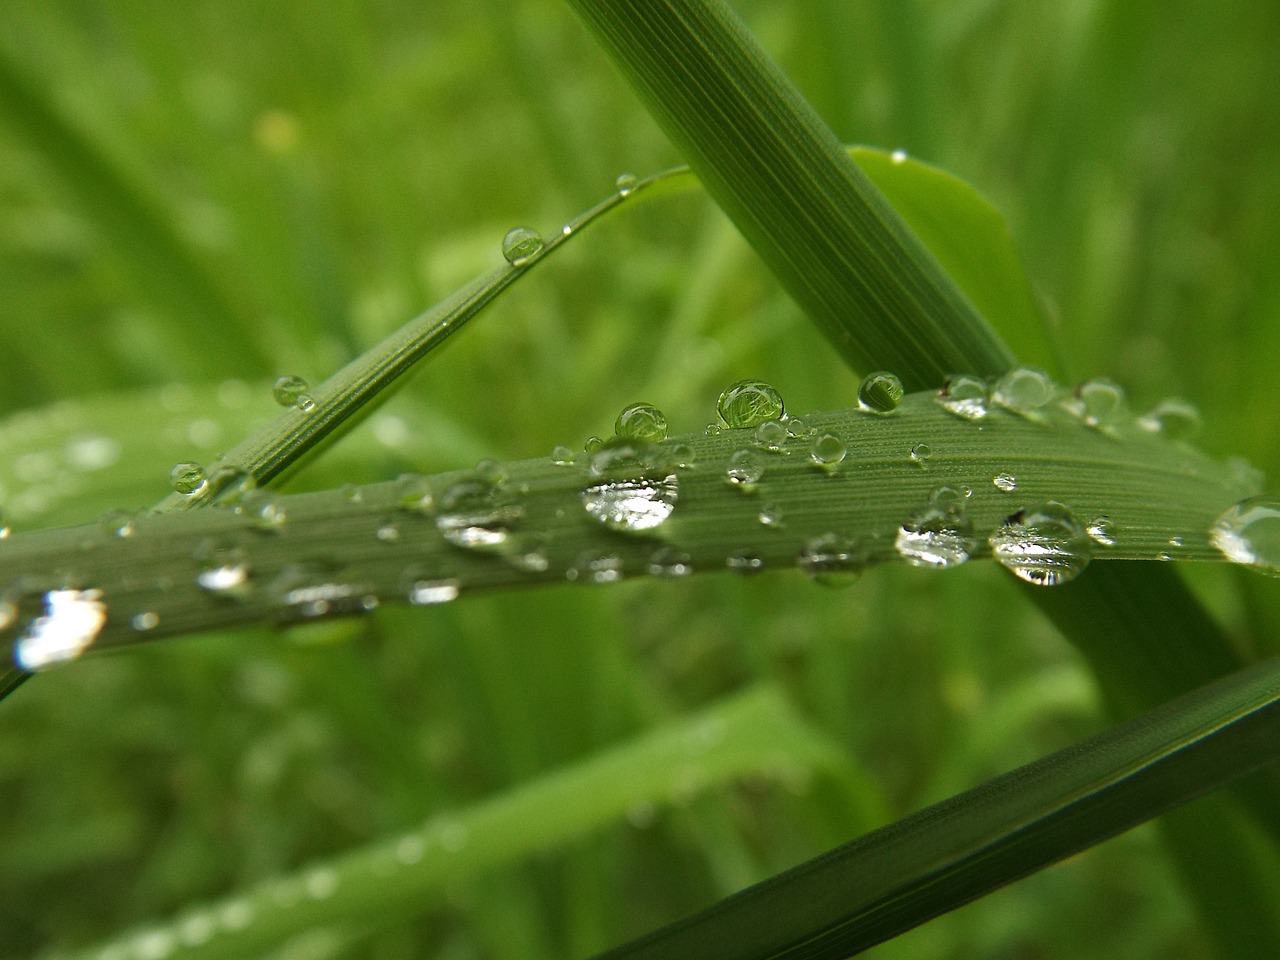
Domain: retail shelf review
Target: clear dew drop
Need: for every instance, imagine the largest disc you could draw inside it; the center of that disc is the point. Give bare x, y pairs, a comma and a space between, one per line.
597, 568
188, 478
1044, 545
898, 156
1249, 533
827, 451
1173, 419
1099, 403
265, 510
683, 455
293, 391
413, 493
669, 562
625, 183
832, 560
771, 436
940, 535
797, 428
224, 571
473, 517
880, 392
744, 562
745, 470
563, 456
521, 245
965, 397
1005, 482
771, 516
119, 523
426, 593
920, 454
641, 421
632, 506
592, 444
1024, 391
72, 621
1101, 531
749, 403
145, 621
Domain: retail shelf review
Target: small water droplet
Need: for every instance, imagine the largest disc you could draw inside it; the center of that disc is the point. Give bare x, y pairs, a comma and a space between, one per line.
472, 516
712, 430
413, 493
188, 478
1024, 391
771, 436
831, 560
748, 403
387, 532
682, 455
592, 444
898, 156
72, 621
5, 529
1102, 531
880, 392
430, 592
144, 621
827, 451
1043, 545
771, 516
563, 456
669, 562
1099, 403
1005, 482
225, 573
798, 428
293, 391
596, 568
265, 509
1173, 419
641, 421
119, 523
744, 562
920, 453
1249, 533
521, 245
745, 470
940, 535
965, 397
529, 555
632, 506
625, 183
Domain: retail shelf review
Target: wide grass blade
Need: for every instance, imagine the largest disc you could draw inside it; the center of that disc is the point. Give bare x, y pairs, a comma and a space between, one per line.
949, 854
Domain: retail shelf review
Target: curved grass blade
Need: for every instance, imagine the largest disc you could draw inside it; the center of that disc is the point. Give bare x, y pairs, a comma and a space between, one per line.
954, 852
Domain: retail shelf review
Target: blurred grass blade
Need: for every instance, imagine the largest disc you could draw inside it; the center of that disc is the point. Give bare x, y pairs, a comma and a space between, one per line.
949, 854
815, 218
753, 732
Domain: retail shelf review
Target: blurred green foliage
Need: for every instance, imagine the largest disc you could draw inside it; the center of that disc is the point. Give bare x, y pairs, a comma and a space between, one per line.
233, 190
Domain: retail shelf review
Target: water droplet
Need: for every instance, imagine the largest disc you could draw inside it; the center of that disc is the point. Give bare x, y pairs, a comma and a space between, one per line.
827, 451
669, 562
563, 456
187, 478
898, 156
744, 562
490, 471
474, 517
1174, 419
1024, 391
144, 621
625, 183
265, 508
413, 493
71, 622
880, 392
771, 516
293, 391
682, 455
5, 529
1102, 531
529, 555
1249, 533
964, 396
798, 428
224, 571
748, 403
632, 506
521, 245
1044, 545
831, 560
712, 430
641, 421
596, 568
429, 592
387, 532
592, 444
920, 453
1005, 482
940, 535
1100, 403
745, 470
771, 436
119, 523
621, 459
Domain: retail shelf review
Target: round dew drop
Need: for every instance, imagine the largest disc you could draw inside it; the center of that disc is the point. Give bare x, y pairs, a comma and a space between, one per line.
1024, 391
880, 392
920, 453
939, 536
637, 506
749, 403
965, 397
625, 183
771, 436
1173, 419
831, 560
1249, 533
188, 478
1005, 482
641, 421
292, 391
1043, 545
745, 470
521, 245
827, 451
1100, 403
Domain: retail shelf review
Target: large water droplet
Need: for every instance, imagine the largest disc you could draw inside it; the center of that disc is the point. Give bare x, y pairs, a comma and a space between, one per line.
188, 478
71, 622
1100, 403
880, 392
964, 396
1173, 419
745, 469
641, 421
1024, 391
827, 451
625, 183
1044, 545
632, 506
771, 436
521, 245
832, 560
748, 403
473, 516
293, 391
1249, 533
940, 535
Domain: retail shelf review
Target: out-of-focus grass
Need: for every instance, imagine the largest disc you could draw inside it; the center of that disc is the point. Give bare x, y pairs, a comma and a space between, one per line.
332, 172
